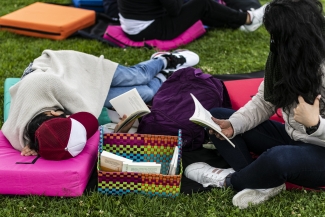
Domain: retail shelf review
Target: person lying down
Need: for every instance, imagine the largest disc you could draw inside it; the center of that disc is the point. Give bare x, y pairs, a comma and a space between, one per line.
55, 106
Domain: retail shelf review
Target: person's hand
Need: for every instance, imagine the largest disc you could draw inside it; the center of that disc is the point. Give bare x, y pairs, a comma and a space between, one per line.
306, 114
226, 128
28, 152
126, 128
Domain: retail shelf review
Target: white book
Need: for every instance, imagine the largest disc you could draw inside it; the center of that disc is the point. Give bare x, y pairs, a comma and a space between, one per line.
130, 104
144, 167
126, 164
202, 117
110, 162
173, 162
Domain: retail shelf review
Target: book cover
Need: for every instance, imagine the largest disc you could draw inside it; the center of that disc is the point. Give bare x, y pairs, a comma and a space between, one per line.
202, 117
110, 162
130, 104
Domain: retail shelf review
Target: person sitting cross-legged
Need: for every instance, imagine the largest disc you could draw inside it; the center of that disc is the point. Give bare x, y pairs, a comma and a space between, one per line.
295, 83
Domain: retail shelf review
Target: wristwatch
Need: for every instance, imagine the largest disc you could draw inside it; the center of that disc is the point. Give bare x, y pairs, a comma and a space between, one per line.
312, 129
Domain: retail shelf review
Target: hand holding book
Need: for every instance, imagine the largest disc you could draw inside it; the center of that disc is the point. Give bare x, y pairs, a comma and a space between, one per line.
126, 127
225, 127
130, 104
203, 117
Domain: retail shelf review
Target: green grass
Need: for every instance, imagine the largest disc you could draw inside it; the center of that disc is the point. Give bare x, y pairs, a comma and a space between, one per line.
221, 52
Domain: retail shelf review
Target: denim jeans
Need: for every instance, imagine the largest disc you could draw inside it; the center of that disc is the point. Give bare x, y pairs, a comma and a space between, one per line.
140, 76
280, 160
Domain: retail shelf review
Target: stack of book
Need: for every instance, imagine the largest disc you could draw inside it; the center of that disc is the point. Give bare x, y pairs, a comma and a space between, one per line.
110, 162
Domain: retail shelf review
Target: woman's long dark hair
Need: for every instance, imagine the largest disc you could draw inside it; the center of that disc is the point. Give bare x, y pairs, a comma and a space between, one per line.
297, 34
33, 125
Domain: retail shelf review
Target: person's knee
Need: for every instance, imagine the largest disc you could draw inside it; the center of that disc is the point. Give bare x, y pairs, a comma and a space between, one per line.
147, 95
221, 113
278, 157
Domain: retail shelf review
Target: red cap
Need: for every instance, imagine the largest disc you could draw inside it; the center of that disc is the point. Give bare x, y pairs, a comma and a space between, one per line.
63, 138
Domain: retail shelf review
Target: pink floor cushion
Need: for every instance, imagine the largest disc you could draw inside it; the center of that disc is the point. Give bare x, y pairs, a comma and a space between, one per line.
116, 35
20, 175
241, 91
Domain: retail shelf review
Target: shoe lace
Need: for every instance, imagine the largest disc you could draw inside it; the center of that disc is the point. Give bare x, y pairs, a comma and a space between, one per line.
173, 60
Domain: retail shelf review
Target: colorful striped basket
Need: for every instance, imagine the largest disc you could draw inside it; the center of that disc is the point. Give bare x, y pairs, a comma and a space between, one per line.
141, 148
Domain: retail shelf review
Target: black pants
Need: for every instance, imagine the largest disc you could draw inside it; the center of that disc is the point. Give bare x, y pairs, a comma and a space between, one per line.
209, 12
281, 159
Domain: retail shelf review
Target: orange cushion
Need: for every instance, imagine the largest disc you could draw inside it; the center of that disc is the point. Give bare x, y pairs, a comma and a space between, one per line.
47, 20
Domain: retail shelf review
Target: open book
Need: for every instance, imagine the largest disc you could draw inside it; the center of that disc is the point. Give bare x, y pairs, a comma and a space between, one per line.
115, 119
130, 104
202, 117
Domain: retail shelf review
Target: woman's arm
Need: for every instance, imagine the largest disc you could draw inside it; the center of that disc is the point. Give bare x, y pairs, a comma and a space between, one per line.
252, 113
309, 116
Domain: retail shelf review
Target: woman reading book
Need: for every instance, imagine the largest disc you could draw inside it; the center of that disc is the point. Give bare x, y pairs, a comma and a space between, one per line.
294, 82
60, 83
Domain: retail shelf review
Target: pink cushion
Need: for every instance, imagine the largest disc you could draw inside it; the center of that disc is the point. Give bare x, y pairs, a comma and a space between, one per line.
116, 35
241, 91
66, 178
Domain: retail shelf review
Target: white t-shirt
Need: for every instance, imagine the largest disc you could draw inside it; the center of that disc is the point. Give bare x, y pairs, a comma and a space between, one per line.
133, 27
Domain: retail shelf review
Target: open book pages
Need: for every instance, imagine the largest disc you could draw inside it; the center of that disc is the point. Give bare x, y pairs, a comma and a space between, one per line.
110, 162
109, 128
202, 117
173, 162
115, 119
130, 104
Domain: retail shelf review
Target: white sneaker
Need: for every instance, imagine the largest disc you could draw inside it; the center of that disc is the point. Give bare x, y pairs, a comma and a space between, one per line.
207, 175
256, 18
255, 196
178, 59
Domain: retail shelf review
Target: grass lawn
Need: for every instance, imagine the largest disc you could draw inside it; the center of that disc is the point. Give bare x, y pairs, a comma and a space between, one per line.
221, 52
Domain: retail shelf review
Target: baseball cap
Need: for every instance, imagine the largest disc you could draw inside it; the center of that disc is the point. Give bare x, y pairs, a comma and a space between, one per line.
64, 138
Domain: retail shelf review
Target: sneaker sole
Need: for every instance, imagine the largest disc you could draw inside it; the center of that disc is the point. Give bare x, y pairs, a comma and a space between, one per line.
253, 196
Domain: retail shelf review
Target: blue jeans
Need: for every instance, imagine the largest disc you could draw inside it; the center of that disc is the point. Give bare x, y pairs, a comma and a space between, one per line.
140, 76
280, 160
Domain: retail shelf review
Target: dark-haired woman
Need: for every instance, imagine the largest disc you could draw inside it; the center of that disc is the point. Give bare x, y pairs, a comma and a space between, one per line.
294, 82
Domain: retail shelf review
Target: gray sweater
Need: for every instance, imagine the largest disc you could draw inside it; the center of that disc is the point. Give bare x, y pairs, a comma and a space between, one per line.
68, 80
258, 110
